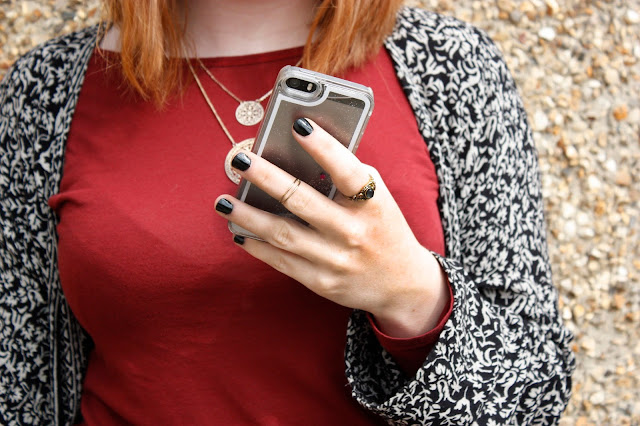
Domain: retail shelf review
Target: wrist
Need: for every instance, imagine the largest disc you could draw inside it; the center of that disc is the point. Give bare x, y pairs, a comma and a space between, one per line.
416, 305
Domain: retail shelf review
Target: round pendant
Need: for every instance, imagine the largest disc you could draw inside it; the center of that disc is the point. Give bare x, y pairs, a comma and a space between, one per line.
249, 113
246, 144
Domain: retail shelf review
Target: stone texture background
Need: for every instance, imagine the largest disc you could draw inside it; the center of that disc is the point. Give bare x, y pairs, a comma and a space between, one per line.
577, 63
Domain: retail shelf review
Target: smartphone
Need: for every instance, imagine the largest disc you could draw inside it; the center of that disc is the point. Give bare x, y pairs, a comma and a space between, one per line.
340, 107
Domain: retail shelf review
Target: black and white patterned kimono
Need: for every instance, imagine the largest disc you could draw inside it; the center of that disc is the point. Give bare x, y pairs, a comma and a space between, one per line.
503, 356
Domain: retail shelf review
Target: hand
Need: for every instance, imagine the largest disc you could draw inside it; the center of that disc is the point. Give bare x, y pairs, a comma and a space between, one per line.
359, 254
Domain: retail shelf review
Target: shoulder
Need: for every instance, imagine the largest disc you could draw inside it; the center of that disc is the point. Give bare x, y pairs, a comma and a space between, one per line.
428, 44
37, 96
447, 34
37, 99
454, 60
60, 48
53, 63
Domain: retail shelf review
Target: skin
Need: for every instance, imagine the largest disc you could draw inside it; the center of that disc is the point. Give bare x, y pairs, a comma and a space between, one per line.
239, 27
243, 27
361, 255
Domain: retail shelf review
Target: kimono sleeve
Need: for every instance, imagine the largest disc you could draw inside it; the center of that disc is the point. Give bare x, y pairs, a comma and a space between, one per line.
503, 356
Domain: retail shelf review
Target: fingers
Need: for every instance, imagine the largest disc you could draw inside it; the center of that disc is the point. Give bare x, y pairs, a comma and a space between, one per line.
284, 233
283, 261
298, 197
347, 172
315, 278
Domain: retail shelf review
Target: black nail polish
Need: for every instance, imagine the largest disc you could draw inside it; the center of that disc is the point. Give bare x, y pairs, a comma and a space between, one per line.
241, 161
224, 206
302, 127
238, 239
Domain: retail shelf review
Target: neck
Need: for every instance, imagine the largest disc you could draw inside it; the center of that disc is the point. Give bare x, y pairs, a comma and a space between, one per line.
240, 27
243, 27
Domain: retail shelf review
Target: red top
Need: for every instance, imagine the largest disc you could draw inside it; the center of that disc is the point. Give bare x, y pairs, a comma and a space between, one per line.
188, 328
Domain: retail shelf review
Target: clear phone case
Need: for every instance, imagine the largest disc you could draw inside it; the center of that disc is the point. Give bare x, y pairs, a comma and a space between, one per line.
339, 106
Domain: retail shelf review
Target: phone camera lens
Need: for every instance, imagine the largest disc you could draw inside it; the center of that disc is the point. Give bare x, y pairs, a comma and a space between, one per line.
301, 87
294, 83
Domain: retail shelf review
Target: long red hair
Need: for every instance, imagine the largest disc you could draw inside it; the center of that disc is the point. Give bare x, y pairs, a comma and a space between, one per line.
152, 36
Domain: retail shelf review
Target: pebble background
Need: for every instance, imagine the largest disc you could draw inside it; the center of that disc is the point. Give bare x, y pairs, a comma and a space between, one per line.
577, 63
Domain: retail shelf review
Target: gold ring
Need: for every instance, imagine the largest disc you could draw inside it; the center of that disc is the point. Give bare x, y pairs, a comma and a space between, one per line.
289, 192
367, 191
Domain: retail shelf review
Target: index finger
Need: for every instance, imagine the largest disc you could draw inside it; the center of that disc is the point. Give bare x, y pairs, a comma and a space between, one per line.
296, 196
347, 172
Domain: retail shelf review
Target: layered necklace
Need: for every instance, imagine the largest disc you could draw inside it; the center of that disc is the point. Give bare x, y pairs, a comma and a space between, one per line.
248, 113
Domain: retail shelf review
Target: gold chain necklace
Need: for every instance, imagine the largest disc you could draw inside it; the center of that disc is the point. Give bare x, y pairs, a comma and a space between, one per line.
248, 113
236, 147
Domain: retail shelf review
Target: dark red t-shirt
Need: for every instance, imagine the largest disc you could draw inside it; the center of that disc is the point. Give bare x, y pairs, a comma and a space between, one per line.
188, 328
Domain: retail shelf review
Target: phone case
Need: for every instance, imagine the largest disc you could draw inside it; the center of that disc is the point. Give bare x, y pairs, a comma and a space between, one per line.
339, 106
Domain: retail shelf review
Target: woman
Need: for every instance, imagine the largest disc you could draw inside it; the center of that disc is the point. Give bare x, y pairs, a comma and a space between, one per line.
111, 168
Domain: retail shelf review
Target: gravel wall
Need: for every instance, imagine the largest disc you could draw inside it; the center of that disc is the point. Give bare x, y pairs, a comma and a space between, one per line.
577, 63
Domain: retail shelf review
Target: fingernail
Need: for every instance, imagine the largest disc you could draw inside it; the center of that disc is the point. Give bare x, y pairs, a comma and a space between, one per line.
224, 206
302, 127
241, 161
238, 239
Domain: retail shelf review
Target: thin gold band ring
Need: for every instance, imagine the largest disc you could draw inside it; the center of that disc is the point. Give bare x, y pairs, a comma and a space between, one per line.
289, 192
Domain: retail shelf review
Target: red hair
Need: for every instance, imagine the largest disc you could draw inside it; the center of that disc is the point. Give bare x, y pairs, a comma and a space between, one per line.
152, 36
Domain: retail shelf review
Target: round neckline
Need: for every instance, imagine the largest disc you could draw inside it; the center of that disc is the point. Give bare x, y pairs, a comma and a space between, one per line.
254, 58
235, 61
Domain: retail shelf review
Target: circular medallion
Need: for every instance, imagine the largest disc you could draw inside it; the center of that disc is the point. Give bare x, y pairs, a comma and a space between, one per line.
249, 113
246, 144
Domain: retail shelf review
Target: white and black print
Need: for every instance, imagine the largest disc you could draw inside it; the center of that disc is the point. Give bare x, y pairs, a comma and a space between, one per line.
503, 357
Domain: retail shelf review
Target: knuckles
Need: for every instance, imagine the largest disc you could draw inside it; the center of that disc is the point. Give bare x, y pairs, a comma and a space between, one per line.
299, 201
355, 234
342, 263
327, 285
282, 235
280, 264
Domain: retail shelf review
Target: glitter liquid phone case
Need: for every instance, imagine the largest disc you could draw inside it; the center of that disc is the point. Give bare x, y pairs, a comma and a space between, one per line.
339, 106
